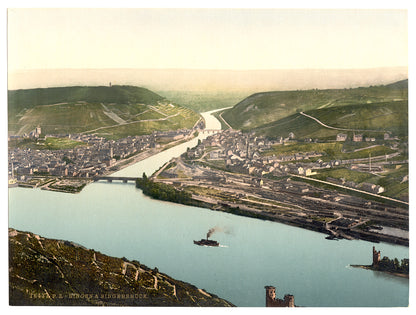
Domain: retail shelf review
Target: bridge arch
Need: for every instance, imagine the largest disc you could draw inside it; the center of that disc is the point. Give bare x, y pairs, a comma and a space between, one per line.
210, 131
110, 179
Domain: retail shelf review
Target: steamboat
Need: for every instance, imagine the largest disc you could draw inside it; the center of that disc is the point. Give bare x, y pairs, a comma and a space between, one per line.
207, 242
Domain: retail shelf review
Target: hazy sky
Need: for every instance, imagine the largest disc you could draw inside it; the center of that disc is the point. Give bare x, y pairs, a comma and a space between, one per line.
239, 39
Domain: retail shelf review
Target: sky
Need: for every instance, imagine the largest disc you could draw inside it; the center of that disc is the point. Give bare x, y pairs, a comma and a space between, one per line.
236, 39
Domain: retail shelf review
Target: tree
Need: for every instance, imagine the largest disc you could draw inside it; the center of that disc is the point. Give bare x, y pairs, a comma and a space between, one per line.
396, 264
405, 265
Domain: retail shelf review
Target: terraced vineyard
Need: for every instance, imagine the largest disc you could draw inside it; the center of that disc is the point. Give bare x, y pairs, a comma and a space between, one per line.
377, 108
113, 112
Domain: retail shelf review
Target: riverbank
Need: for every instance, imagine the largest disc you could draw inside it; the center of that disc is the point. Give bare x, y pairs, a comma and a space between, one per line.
285, 200
122, 164
75, 185
370, 267
296, 221
125, 223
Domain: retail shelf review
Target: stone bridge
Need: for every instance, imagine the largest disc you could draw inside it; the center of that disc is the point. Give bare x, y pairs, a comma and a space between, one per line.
209, 131
115, 178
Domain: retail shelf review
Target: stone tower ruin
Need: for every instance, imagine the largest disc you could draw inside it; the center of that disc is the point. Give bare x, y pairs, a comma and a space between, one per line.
376, 257
272, 301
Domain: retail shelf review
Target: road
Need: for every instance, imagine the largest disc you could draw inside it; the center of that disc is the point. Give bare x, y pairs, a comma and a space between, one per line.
225, 122
353, 189
129, 123
335, 128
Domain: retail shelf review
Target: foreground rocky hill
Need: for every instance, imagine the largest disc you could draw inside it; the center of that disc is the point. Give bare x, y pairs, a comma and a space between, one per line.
54, 272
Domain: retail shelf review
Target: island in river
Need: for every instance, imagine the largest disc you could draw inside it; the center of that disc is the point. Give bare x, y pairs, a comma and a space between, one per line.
54, 272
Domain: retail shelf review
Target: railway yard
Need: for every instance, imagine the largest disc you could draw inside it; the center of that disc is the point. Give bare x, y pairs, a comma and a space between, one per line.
291, 200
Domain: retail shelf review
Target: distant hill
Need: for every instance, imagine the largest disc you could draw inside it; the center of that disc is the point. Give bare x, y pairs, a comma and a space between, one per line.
47, 272
399, 85
202, 101
198, 80
113, 112
381, 108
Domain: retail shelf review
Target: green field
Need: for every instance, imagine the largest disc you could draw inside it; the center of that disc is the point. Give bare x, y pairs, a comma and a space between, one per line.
299, 147
330, 150
61, 143
140, 128
202, 101
391, 179
50, 143
365, 153
211, 192
113, 112
347, 174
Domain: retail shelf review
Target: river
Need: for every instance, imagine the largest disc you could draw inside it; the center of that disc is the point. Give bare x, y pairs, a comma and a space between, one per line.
118, 220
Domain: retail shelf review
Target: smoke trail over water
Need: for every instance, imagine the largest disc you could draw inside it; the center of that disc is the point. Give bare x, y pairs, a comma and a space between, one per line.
217, 229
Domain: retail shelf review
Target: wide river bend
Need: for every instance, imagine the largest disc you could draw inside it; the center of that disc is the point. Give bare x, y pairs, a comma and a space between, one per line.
118, 220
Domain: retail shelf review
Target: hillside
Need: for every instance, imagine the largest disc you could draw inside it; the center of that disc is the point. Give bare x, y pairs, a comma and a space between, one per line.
113, 112
372, 120
262, 110
53, 272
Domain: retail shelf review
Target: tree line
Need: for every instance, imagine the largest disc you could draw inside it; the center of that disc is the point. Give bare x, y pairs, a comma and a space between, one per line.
163, 191
394, 265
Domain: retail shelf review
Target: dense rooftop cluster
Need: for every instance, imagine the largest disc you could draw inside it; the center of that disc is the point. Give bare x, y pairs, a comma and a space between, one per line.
93, 157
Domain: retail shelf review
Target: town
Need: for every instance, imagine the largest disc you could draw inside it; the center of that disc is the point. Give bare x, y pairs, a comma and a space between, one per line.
248, 154
88, 156
233, 171
282, 179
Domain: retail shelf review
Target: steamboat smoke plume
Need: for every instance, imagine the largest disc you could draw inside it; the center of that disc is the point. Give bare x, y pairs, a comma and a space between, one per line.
217, 229
211, 231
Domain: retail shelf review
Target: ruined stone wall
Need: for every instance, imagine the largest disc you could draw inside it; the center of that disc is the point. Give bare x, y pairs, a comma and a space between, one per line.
272, 301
